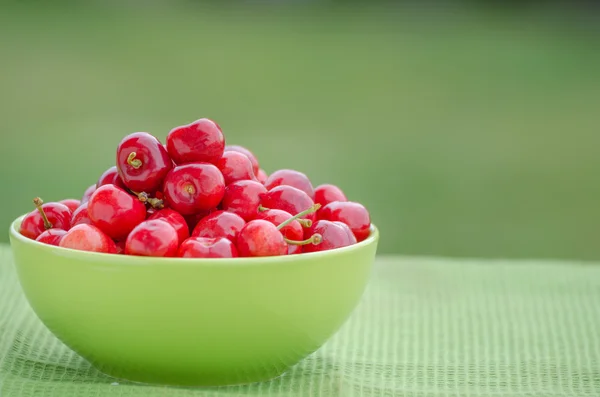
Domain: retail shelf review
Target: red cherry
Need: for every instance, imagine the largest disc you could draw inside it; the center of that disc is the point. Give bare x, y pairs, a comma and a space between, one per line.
195, 187
200, 141
51, 236
220, 224
293, 231
115, 212
142, 162
176, 220
110, 177
245, 152
81, 215
45, 217
333, 235
351, 236
289, 199
88, 238
325, 194
261, 238
291, 178
152, 238
243, 198
353, 214
262, 176
235, 167
205, 247
72, 204
88, 193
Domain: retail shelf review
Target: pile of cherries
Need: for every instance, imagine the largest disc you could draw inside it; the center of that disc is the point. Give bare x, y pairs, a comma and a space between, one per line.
197, 198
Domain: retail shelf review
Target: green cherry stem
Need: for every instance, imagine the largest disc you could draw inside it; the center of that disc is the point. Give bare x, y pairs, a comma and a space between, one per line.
306, 223
38, 205
314, 239
312, 209
132, 161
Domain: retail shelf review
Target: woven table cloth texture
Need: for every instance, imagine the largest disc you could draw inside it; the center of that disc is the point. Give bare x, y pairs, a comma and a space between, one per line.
425, 327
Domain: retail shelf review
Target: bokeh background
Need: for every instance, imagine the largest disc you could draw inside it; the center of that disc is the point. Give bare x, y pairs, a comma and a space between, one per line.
467, 128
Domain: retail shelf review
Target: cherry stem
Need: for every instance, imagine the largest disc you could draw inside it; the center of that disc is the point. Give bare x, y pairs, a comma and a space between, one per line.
315, 239
38, 204
189, 189
305, 222
132, 161
154, 202
312, 209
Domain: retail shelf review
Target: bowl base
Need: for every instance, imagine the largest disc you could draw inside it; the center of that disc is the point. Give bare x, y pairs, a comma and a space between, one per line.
199, 380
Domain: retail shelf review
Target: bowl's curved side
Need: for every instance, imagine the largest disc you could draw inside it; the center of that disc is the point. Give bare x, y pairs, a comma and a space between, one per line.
171, 323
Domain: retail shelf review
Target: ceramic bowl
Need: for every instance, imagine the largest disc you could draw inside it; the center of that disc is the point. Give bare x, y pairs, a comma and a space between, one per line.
192, 322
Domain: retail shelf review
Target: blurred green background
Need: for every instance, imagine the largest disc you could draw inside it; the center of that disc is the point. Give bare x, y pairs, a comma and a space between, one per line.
466, 132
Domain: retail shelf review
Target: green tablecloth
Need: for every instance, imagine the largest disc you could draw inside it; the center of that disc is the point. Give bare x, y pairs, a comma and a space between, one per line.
426, 327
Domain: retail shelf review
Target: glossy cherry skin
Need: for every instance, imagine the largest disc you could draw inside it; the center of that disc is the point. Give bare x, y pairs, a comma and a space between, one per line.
235, 167
110, 177
88, 193
325, 194
154, 237
200, 141
80, 215
195, 187
72, 204
176, 220
243, 198
220, 224
206, 247
247, 153
333, 235
145, 171
115, 212
351, 236
291, 178
262, 176
289, 199
51, 236
88, 238
58, 214
293, 231
261, 238
353, 214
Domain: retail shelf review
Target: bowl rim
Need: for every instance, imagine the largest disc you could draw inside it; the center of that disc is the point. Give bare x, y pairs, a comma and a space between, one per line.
147, 260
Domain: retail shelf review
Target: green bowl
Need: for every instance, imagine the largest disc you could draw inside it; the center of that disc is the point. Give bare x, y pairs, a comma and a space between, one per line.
192, 322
